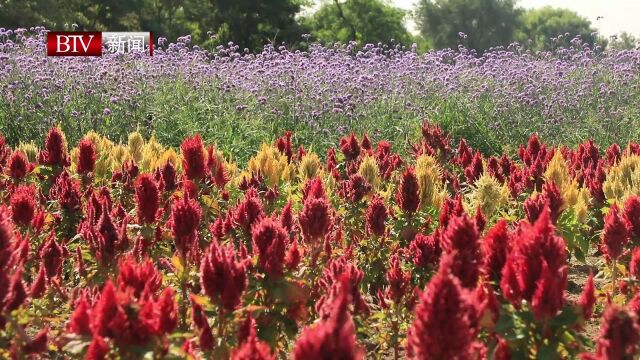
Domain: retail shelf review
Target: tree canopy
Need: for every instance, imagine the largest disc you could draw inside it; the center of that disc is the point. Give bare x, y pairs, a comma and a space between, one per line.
478, 24
539, 26
365, 21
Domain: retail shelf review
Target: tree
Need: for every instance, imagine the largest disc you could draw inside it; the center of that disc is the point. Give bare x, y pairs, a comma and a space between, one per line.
365, 21
623, 41
539, 26
253, 23
484, 23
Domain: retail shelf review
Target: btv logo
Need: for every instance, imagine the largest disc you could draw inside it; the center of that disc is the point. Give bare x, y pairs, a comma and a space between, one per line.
63, 43
74, 43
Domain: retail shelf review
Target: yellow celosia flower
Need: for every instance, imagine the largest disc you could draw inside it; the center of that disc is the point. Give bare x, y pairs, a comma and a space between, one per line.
623, 179
369, 170
30, 149
581, 207
151, 153
489, 194
309, 166
135, 145
431, 187
119, 154
271, 164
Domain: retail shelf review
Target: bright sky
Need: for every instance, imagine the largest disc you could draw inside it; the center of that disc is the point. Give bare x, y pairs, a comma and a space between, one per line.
617, 15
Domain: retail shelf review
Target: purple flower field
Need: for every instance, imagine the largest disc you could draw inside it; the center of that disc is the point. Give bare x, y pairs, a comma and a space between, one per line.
237, 99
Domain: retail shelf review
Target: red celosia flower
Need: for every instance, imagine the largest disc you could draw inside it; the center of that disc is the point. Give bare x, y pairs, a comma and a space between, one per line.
615, 234
613, 154
67, 193
23, 205
340, 272
376, 216
284, 145
554, 199
292, 259
138, 277
52, 256
548, 297
206, 339
147, 199
194, 161
18, 166
460, 239
80, 322
333, 338
98, 349
286, 217
587, 298
399, 281
39, 343
223, 278
39, 285
533, 207
313, 189
184, 221
269, 240
355, 188
167, 312
86, 156
249, 211
534, 247
168, 176
442, 328
475, 168
108, 239
494, 169
632, 214
619, 334
436, 138
350, 147
16, 293
634, 264
55, 149
425, 250
251, 348
315, 219
107, 317
495, 246
408, 195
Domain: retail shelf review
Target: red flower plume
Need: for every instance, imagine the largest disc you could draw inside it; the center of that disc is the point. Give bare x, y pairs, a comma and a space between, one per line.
315, 219
632, 214
408, 195
23, 205
495, 246
184, 221
333, 338
619, 335
587, 298
376, 216
269, 241
194, 162
18, 166
615, 234
251, 348
86, 156
55, 153
460, 240
442, 328
147, 199
223, 278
